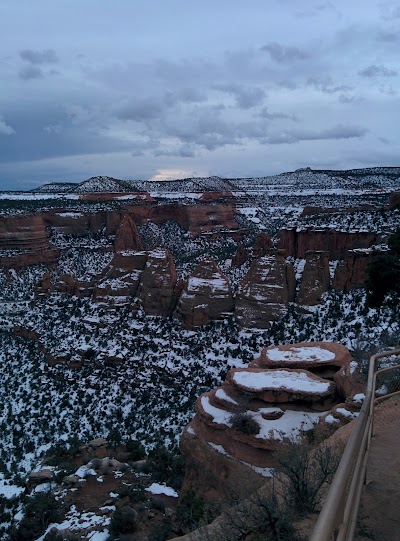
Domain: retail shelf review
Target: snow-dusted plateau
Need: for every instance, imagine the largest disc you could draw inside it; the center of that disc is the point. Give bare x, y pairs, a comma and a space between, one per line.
121, 302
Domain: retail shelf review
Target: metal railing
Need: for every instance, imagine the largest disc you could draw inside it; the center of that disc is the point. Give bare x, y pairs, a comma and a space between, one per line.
338, 517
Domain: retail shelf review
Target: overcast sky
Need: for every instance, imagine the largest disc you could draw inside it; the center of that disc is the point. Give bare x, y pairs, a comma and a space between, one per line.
177, 88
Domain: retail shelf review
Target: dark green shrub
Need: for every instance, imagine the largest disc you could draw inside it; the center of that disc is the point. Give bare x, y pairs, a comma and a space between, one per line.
123, 521
166, 466
135, 492
190, 511
135, 449
157, 504
244, 422
383, 275
160, 532
40, 511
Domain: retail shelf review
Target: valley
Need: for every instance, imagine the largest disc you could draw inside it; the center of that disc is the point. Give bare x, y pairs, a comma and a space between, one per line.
121, 302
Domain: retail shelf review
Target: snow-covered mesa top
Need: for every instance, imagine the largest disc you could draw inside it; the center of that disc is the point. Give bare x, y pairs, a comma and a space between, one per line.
280, 379
216, 283
301, 354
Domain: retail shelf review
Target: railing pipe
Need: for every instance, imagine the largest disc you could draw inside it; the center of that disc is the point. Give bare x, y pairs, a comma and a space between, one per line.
335, 518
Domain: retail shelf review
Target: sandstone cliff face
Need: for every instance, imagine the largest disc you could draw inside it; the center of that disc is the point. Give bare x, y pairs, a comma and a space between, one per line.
23, 233
207, 296
394, 200
83, 223
284, 394
211, 219
28, 237
337, 243
262, 245
241, 256
315, 279
351, 272
120, 280
157, 291
127, 236
265, 292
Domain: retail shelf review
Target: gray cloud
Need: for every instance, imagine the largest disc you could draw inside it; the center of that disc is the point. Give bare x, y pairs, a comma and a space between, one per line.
246, 97
30, 72
325, 84
5, 129
141, 110
46, 56
275, 116
282, 54
377, 71
335, 132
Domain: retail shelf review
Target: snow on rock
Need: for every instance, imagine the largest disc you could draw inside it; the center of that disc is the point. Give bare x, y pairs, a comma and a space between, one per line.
265, 380
207, 296
156, 488
300, 354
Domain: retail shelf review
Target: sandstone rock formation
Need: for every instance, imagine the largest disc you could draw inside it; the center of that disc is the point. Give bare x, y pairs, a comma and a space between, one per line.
82, 223
127, 236
315, 279
240, 257
120, 280
158, 281
262, 245
265, 291
394, 200
210, 219
282, 393
351, 272
26, 241
207, 296
297, 242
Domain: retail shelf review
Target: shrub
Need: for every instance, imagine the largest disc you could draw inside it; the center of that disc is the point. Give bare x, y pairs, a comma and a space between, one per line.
244, 422
123, 521
190, 511
135, 449
383, 275
40, 511
160, 532
166, 466
135, 492
306, 469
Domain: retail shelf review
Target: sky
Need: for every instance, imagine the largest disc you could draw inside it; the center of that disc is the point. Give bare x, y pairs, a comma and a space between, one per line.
180, 88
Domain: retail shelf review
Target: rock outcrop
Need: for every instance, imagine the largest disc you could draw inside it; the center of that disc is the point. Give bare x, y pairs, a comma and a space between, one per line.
394, 200
24, 241
83, 223
206, 297
315, 279
202, 219
281, 394
119, 282
127, 236
241, 256
262, 245
157, 291
265, 292
351, 272
297, 242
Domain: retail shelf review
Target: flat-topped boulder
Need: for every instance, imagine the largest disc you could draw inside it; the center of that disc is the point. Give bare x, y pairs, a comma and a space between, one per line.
308, 355
281, 385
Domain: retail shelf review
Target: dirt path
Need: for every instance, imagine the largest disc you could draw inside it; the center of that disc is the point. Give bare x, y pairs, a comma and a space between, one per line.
379, 517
